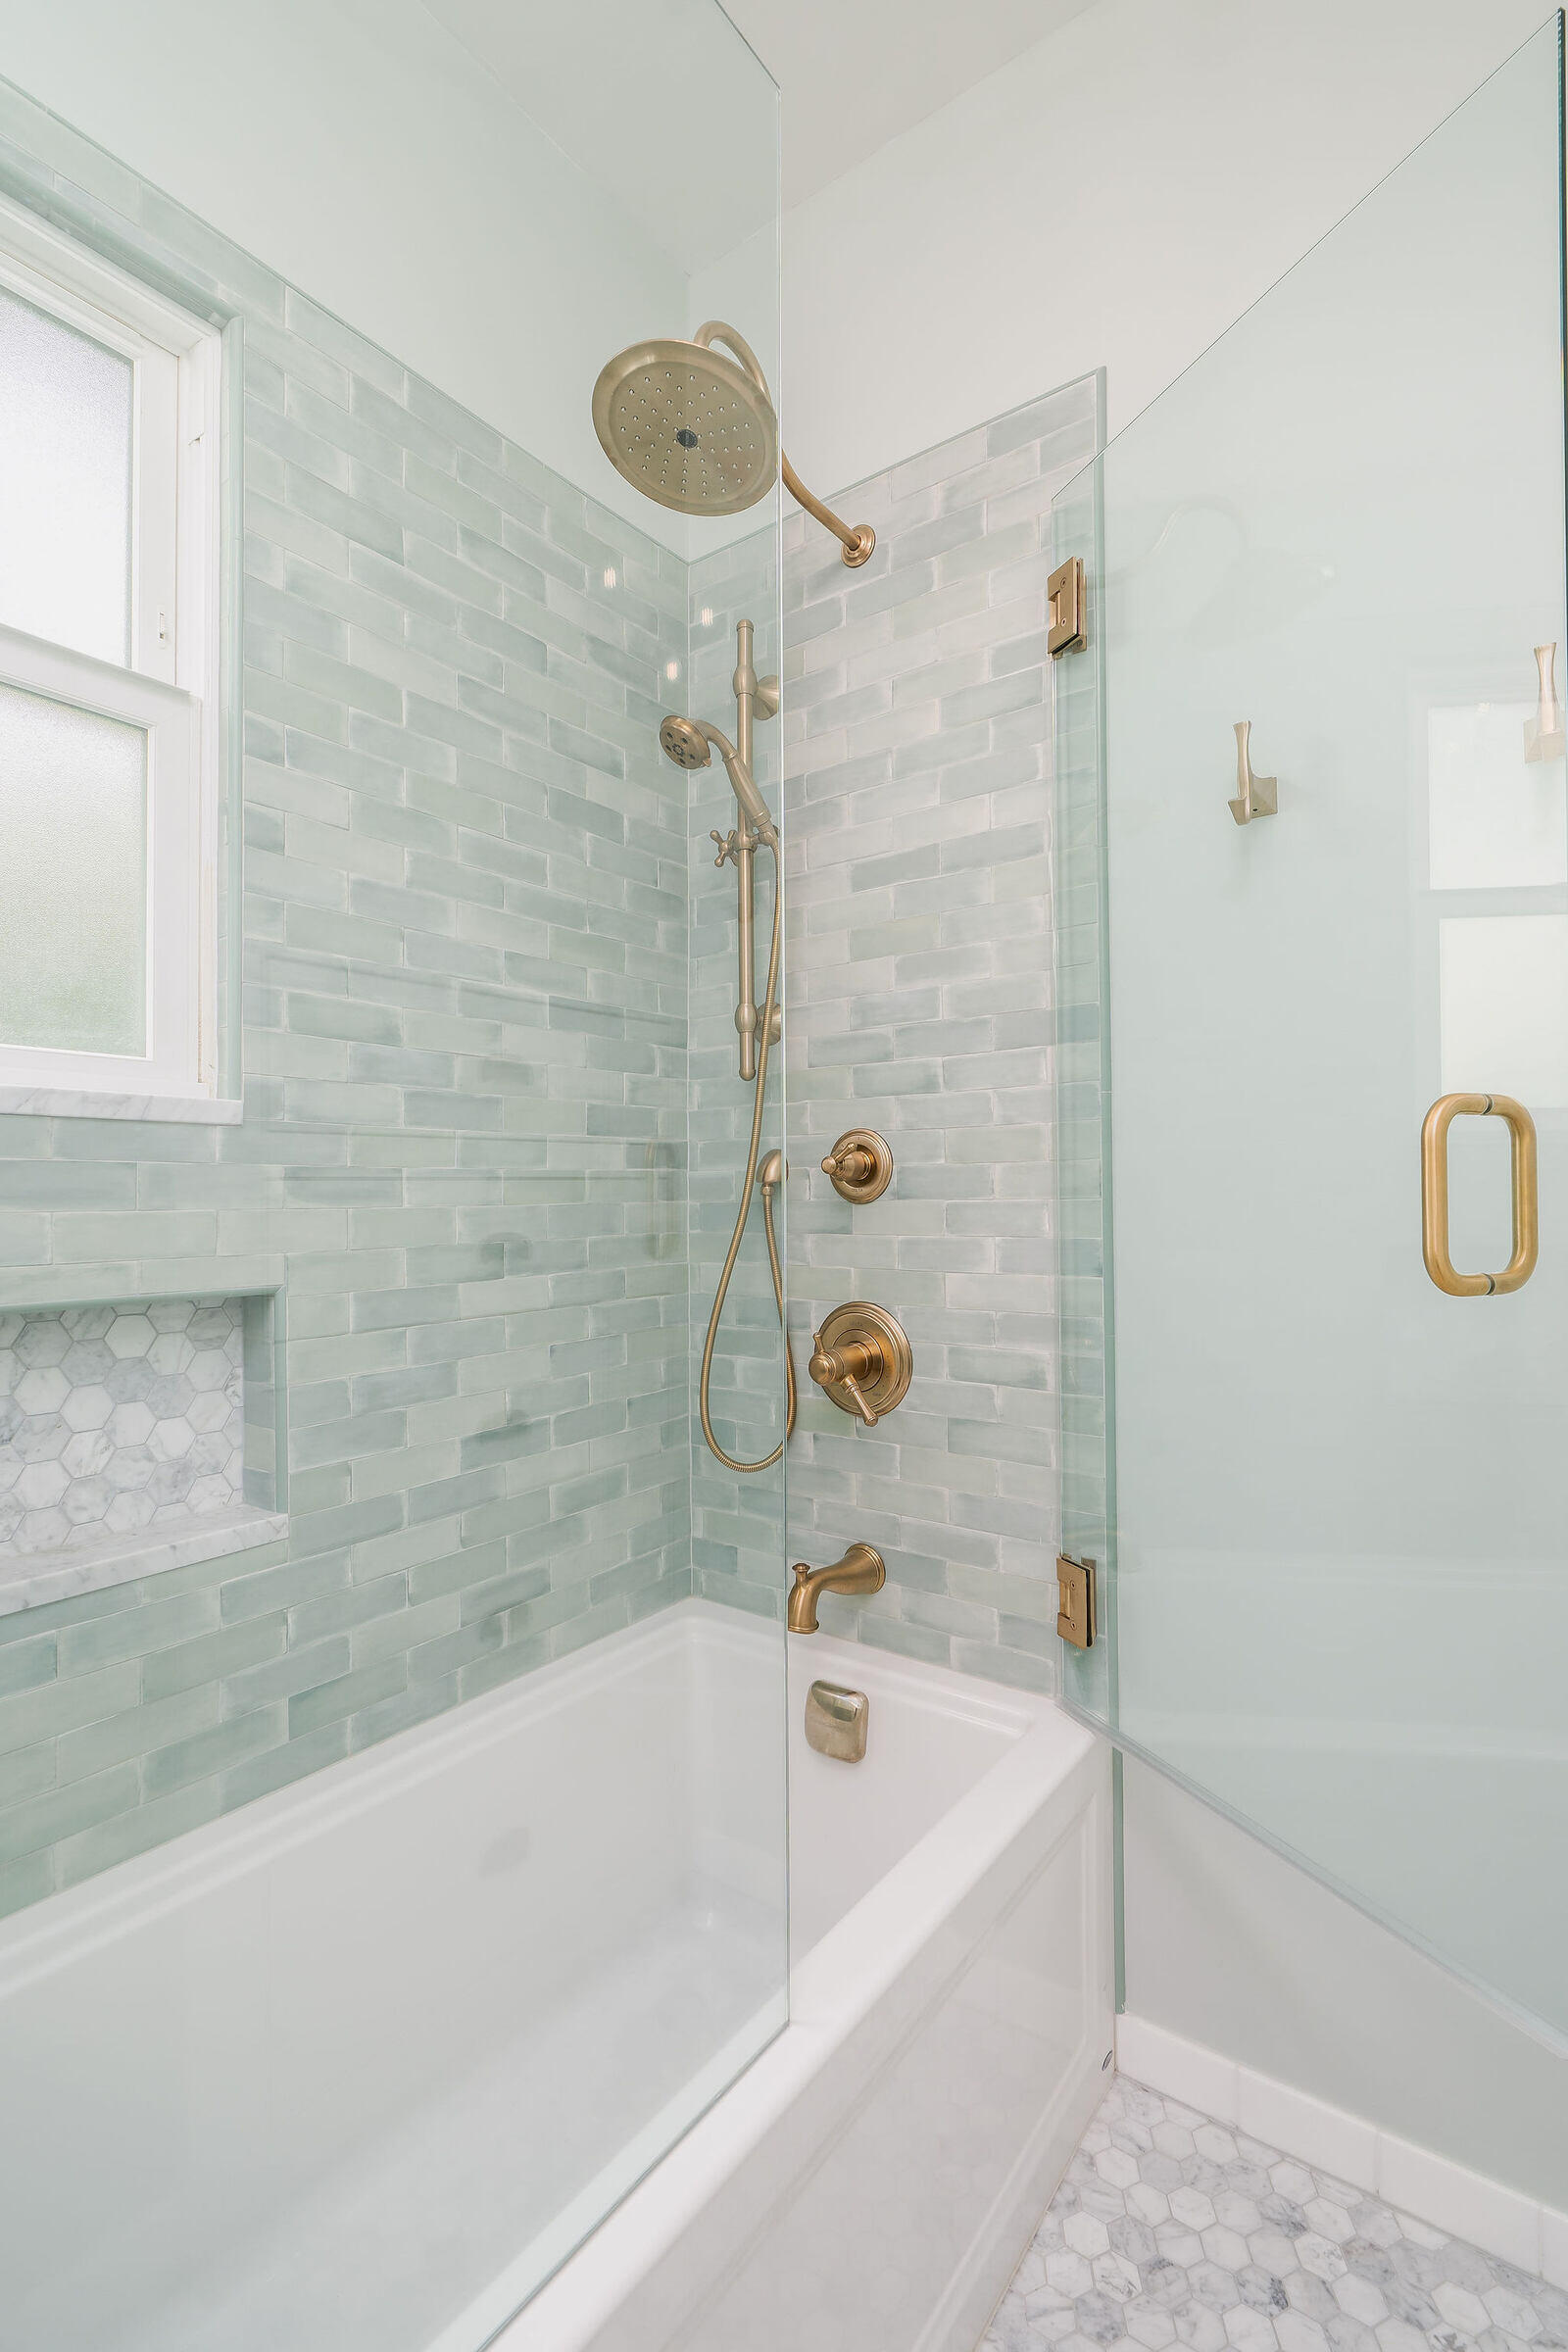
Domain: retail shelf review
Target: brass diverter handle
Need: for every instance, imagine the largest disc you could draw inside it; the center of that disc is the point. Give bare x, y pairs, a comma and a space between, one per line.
862, 1360
861, 1164
1435, 1195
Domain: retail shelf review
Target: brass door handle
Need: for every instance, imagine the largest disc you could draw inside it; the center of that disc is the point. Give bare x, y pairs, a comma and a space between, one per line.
1435, 1195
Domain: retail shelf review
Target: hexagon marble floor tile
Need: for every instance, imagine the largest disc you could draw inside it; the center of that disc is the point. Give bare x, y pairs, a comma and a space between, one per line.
1171, 2229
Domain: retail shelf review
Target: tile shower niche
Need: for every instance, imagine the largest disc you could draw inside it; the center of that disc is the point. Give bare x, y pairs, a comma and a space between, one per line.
133, 1437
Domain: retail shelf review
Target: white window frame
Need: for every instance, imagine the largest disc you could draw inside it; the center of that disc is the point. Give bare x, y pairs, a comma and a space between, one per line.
168, 687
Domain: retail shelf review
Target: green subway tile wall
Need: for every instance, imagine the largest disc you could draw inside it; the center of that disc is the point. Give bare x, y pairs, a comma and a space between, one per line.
923, 1003
462, 1167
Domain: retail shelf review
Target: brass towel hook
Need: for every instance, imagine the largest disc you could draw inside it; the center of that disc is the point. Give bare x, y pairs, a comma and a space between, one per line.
1547, 733
1255, 796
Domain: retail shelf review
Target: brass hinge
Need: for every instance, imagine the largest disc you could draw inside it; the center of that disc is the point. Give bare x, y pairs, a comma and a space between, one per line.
1075, 1591
1069, 609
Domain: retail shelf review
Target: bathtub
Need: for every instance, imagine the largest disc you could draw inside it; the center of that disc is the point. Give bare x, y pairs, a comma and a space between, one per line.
871, 2181
315, 2073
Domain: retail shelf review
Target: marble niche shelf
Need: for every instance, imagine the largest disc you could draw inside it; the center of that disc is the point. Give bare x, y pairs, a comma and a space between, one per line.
124, 1444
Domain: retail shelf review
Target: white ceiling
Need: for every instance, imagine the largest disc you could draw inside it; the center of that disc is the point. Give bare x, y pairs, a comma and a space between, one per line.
668, 110
853, 73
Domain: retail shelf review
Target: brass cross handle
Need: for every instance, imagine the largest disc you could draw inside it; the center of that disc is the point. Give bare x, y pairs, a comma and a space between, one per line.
862, 1360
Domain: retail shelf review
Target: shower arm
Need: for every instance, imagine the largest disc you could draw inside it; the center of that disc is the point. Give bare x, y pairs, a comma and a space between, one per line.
857, 540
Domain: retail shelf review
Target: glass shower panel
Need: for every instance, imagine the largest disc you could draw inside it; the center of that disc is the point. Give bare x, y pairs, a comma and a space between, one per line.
392, 1810
1332, 1495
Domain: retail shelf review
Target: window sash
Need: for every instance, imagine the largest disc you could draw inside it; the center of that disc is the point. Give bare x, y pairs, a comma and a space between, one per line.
176, 359
169, 688
171, 721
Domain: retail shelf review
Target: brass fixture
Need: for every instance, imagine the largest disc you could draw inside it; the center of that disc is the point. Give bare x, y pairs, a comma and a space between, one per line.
862, 1360
1255, 796
699, 432
1069, 617
690, 743
836, 1720
856, 540
1435, 1195
1547, 734
861, 1164
1075, 1602
862, 1570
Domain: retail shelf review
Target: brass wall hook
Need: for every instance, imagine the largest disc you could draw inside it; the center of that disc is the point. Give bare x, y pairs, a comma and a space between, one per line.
1255, 796
1547, 734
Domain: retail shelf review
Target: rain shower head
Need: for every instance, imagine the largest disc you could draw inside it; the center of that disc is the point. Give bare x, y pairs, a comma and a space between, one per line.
698, 431
688, 427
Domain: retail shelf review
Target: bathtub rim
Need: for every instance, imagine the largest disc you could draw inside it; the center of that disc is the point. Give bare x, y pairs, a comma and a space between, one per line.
146, 1884
1003, 1829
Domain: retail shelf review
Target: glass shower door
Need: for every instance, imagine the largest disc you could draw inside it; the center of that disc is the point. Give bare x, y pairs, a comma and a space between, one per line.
1329, 1493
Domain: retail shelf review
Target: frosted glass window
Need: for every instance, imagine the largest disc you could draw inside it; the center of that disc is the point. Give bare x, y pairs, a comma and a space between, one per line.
73, 878
1498, 822
65, 410
1504, 996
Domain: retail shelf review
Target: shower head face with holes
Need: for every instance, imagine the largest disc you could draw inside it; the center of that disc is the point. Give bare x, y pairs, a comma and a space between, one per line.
679, 740
688, 426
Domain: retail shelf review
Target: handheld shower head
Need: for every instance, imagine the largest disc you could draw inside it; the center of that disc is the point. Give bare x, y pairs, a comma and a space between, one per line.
684, 743
692, 743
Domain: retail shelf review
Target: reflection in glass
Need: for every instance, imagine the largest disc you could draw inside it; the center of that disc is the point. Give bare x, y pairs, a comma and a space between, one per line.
1504, 1005
1494, 823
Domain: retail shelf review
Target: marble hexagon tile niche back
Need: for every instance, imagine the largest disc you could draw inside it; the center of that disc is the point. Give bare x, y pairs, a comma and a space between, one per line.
118, 1418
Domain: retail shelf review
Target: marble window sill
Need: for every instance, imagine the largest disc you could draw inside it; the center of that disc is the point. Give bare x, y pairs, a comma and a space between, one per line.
65, 1102
29, 1580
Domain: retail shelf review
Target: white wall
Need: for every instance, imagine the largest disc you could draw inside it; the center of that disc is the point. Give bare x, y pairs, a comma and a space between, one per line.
1117, 197
1243, 1952
358, 149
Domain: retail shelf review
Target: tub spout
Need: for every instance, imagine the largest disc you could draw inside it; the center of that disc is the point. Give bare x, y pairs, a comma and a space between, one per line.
862, 1570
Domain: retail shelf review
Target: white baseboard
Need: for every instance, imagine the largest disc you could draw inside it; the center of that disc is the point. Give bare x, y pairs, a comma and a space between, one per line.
1431, 2187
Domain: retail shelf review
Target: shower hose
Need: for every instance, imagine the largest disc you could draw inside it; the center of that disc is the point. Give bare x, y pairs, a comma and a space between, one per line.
770, 1001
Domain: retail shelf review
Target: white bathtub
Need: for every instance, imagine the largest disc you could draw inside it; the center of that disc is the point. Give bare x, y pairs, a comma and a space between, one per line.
351, 2070
872, 2179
